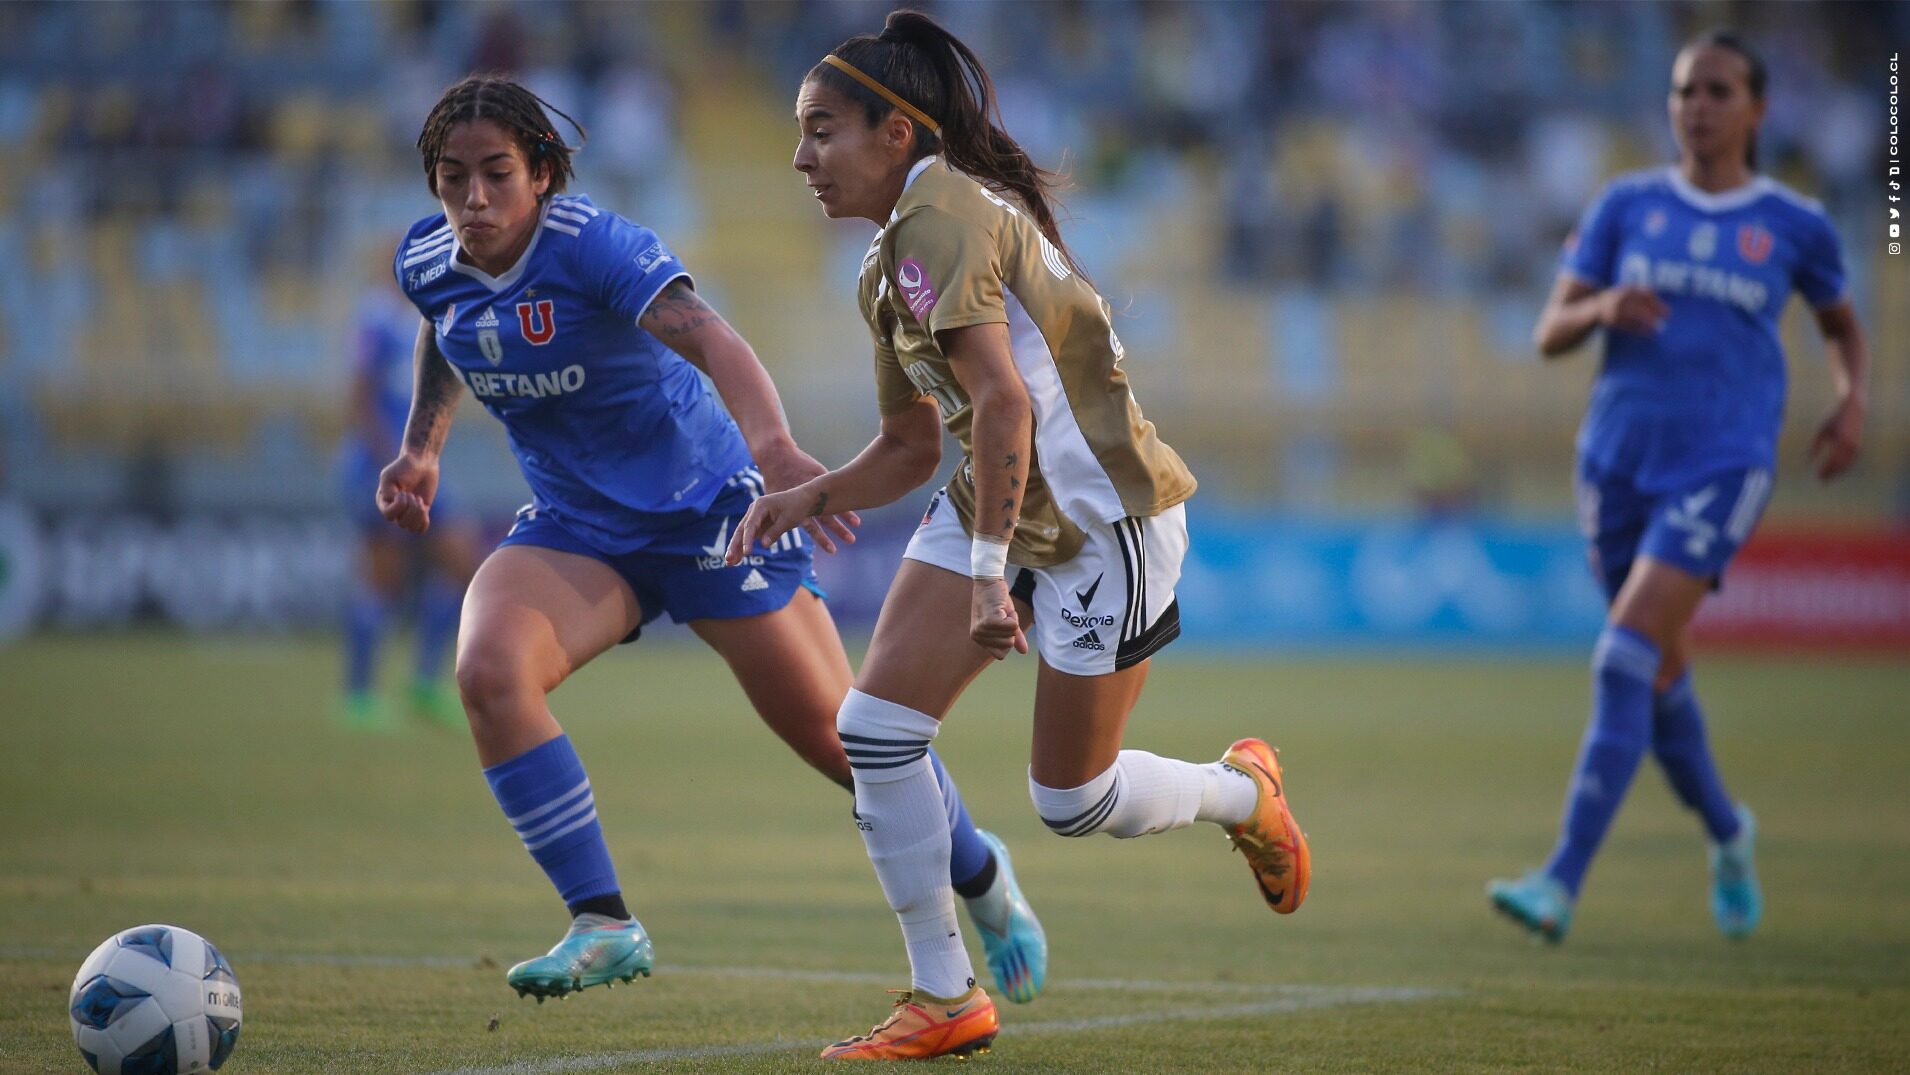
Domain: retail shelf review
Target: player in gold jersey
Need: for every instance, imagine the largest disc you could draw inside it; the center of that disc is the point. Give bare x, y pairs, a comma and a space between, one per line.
1064, 523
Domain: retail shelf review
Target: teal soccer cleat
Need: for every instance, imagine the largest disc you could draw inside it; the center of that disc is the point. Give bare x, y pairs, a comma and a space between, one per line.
1736, 900
1536, 901
1018, 958
596, 951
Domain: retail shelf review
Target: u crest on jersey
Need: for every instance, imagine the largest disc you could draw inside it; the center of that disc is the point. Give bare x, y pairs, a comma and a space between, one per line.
537, 321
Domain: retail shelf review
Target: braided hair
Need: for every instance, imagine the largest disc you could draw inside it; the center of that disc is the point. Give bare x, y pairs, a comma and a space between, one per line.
518, 111
920, 61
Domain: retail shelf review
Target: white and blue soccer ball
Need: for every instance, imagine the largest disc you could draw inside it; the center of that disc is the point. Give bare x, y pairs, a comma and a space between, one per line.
155, 1000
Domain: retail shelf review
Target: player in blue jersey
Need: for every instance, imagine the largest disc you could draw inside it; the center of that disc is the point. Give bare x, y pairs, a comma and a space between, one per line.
1687, 271
583, 334
380, 398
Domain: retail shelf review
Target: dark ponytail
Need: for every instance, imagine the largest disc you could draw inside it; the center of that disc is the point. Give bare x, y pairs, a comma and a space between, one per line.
919, 61
1759, 77
515, 109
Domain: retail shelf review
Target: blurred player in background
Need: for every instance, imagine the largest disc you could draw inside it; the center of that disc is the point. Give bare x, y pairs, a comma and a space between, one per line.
583, 334
980, 315
442, 560
1687, 270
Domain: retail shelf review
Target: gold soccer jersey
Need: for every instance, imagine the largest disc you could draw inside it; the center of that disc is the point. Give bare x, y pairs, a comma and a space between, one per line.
956, 254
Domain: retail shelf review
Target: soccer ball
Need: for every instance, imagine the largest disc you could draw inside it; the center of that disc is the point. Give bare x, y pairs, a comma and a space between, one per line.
155, 1000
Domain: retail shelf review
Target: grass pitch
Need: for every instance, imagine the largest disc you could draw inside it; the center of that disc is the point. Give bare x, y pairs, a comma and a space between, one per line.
369, 895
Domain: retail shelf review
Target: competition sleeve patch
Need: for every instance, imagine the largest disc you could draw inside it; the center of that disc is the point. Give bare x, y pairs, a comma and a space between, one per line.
911, 279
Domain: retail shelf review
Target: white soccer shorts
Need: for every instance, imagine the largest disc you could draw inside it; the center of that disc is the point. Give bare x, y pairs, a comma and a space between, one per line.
1110, 607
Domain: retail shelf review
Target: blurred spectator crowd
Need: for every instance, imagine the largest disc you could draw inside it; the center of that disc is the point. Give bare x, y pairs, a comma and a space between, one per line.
206, 187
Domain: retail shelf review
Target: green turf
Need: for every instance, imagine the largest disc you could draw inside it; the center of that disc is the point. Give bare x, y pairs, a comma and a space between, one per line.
369, 895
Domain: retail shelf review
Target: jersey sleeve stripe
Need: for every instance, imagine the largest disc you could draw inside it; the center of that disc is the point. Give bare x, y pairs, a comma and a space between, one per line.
565, 228
426, 240
564, 212
577, 206
427, 255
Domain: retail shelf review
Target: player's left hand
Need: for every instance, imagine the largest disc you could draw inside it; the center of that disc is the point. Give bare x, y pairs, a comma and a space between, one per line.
992, 621
770, 516
1838, 438
787, 467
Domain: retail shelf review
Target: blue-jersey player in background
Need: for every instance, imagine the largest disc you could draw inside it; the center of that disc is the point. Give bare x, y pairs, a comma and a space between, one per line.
1687, 270
383, 331
583, 334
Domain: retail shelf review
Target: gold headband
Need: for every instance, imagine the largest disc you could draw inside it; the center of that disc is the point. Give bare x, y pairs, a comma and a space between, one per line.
887, 94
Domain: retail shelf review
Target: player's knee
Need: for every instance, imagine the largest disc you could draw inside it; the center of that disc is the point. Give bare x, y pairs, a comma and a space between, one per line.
882, 740
1080, 811
492, 678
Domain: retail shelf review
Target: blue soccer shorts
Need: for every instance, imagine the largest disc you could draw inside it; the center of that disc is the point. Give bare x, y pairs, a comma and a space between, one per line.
681, 570
1698, 528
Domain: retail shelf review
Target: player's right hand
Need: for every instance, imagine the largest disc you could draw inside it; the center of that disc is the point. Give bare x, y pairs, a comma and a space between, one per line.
1632, 308
406, 488
993, 622
770, 516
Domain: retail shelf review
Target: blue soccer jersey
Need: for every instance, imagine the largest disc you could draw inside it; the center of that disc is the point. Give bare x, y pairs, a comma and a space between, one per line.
616, 434
1705, 393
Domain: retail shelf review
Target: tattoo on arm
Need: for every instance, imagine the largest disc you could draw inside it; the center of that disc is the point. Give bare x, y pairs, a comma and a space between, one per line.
822, 501
435, 389
677, 312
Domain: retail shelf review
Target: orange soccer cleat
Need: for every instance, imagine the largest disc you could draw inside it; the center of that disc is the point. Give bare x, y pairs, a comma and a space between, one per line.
1272, 841
925, 1027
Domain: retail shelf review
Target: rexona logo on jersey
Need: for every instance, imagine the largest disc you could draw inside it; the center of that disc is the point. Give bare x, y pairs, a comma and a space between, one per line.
538, 321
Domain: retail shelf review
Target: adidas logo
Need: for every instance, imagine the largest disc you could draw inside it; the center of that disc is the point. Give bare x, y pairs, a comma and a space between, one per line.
489, 320
754, 581
1091, 640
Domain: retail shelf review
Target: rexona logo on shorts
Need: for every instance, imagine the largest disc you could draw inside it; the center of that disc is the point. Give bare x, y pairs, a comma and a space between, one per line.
1074, 620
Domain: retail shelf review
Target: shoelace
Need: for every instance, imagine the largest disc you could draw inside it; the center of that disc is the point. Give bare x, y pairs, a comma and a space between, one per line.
901, 1001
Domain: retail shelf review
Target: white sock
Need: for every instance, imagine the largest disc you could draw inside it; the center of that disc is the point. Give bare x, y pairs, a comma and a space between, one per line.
1140, 794
1227, 795
904, 823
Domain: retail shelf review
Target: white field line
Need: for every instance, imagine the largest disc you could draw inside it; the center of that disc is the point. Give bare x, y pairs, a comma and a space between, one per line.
375, 959
1304, 998
1273, 999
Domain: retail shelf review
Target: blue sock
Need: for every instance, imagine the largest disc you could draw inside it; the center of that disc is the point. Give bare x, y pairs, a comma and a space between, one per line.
967, 854
438, 609
1677, 735
366, 615
1624, 664
546, 798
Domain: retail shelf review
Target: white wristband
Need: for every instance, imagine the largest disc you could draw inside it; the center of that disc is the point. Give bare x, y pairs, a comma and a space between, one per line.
987, 559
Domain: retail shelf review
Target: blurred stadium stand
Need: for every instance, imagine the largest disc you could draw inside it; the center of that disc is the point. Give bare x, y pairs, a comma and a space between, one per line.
1328, 228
